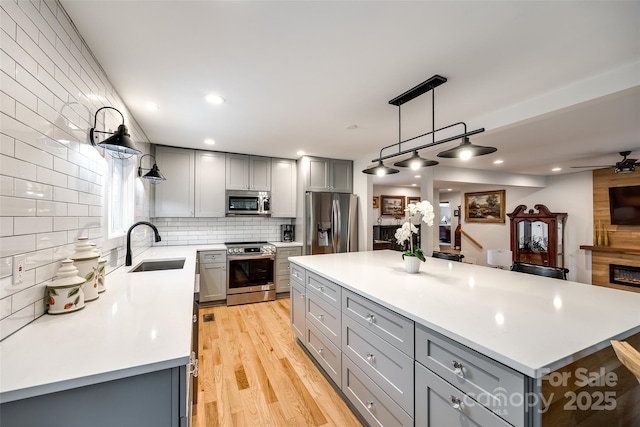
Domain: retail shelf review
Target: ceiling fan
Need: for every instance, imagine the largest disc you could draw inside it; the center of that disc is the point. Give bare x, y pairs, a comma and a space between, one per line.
623, 166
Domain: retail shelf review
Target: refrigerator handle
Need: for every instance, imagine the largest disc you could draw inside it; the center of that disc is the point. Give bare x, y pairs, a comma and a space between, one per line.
338, 226
335, 212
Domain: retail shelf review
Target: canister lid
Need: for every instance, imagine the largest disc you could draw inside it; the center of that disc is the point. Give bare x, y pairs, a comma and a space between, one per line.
67, 276
84, 250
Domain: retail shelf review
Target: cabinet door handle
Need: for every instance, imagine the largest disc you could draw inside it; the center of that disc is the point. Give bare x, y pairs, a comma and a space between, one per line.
456, 403
371, 318
302, 296
195, 318
457, 368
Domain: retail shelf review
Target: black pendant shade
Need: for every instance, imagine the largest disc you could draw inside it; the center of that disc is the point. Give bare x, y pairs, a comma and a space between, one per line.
119, 143
380, 169
415, 162
466, 150
154, 174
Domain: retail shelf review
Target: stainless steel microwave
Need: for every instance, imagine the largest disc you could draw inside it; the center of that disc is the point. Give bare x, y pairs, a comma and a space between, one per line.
248, 203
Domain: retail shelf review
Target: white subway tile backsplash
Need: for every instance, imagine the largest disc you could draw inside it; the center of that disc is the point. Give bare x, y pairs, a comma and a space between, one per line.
49, 208
50, 240
65, 223
5, 307
6, 226
28, 225
18, 54
51, 178
63, 166
31, 47
16, 321
14, 245
14, 206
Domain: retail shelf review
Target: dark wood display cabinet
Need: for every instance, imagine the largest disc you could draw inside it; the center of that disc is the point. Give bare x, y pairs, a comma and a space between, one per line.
387, 233
537, 235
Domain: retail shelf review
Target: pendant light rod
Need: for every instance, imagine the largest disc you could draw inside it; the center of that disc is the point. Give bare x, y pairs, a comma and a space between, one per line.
431, 144
418, 90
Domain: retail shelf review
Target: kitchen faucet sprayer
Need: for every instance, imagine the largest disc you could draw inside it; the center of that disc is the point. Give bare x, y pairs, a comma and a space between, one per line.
128, 257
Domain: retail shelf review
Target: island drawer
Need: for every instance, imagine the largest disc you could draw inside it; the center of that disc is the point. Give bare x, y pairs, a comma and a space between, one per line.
483, 378
325, 353
370, 400
388, 367
297, 274
324, 288
388, 325
325, 317
438, 404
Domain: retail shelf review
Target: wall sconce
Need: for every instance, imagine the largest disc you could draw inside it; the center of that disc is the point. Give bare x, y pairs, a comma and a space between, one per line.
464, 151
119, 143
154, 174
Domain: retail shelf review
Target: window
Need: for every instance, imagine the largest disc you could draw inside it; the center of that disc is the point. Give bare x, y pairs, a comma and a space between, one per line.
121, 196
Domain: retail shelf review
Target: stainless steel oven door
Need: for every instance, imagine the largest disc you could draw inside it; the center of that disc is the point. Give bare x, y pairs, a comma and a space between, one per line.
250, 273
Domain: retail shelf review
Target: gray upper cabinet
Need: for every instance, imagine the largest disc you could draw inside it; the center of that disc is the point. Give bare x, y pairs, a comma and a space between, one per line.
209, 185
175, 196
283, 193
245, 172
329, 175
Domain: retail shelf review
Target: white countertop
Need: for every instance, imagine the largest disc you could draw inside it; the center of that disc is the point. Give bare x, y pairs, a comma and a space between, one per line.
142, 323
286, 244
530, 323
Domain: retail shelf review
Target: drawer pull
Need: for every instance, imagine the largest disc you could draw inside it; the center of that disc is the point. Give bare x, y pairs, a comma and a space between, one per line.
370, 404
320, 350
321, 317
371, 357
195, 318
302, 296
321, 288
457, 366
456, 403
371, 318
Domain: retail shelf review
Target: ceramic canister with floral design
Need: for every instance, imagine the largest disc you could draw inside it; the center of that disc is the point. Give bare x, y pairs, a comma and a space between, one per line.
86, 260
102, 264
64, 292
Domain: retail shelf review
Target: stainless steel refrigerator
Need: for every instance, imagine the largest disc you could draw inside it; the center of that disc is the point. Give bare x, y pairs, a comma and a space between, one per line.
330, 223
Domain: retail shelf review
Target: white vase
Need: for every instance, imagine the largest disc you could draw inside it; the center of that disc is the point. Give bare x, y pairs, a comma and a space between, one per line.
411, 264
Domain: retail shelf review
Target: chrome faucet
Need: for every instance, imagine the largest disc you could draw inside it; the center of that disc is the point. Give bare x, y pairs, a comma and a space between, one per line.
127, 260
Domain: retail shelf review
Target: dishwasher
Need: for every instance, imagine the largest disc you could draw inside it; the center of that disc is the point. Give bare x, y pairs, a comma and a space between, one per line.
212, 269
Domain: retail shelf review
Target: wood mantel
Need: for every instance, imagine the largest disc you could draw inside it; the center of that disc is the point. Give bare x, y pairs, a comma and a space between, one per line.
611, 250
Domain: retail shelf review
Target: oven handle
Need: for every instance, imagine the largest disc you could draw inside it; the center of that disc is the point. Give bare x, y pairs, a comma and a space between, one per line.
241, 257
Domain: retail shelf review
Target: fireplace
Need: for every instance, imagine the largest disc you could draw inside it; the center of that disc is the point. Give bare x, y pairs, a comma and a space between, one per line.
624, 275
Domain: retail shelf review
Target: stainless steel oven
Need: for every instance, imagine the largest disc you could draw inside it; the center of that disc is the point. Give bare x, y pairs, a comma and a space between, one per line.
250, 272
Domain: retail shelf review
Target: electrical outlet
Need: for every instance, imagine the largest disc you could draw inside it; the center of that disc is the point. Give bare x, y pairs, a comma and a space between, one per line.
19, 263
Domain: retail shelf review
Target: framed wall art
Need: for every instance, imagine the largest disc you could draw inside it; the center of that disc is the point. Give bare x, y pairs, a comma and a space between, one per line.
376, 202
392, 205
484, 206
413, 199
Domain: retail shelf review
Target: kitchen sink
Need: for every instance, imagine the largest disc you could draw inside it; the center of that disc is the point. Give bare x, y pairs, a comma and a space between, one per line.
159, 264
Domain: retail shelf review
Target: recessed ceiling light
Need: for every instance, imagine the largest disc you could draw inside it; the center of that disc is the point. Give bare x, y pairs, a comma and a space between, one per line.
418, 176
498, 162
209, 141
449, 189
214, 99
153, 107
556, 169
351, 127
300, 153
414, 185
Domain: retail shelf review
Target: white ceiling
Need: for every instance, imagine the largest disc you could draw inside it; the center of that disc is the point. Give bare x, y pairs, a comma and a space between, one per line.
553, 83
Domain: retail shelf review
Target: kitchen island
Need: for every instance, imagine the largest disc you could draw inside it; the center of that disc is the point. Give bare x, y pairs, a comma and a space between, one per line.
541, 338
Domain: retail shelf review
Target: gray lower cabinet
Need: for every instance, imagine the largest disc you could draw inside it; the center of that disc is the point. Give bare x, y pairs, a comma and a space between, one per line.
283, 268
480, 378
155, 399
377, 408
325, 317
213, 276
325, 352
440, 404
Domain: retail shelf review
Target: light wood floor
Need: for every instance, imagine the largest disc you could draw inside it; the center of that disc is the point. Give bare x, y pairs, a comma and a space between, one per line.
253, 373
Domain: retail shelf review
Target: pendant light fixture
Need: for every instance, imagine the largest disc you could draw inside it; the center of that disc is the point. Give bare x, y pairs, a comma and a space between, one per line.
119, 143
465, 150
154, 174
